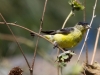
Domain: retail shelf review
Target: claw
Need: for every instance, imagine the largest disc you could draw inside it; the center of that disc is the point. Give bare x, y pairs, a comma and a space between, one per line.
65, 49
55, 45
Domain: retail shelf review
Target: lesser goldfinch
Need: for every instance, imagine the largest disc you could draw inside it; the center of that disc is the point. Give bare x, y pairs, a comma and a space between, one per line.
67, 37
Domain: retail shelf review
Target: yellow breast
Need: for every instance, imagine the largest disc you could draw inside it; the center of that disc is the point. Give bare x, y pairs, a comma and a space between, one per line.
69, 40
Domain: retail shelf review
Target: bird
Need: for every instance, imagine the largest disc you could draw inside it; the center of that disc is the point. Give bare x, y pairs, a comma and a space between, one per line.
68, 37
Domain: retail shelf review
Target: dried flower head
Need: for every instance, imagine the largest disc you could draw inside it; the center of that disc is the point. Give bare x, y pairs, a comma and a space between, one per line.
64, 57
16, 71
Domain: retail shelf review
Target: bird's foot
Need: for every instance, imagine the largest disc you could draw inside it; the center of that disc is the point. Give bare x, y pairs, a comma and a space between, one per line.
65, 49
55, 45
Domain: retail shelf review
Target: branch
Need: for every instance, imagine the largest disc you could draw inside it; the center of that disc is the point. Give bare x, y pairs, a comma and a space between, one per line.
20, 39
95, 46
31, 32
15, 40
84, 11
26, 42
41, 24
70, 14
84, 19
93, 16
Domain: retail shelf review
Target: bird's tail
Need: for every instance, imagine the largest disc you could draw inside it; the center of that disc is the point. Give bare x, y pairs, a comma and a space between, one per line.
32, 34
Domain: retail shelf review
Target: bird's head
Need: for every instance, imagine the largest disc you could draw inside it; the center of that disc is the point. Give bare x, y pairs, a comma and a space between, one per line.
82, 26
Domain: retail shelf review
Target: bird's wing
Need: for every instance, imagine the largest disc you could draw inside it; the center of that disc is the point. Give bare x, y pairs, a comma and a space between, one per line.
61, 31
65, 30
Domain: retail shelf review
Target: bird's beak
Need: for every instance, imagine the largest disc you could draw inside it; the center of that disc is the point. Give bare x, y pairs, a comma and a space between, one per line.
88, 27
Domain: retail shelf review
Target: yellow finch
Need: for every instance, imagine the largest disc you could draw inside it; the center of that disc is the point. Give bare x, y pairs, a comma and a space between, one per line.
67, 37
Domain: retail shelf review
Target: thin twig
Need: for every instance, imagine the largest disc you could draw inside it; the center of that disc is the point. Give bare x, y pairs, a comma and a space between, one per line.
70, 14
86, 52
31, 32
93, 16
20, 39
58, 62
61, 69
26, 42
95, 46
84, 19
41, 24
84, 11
15, 40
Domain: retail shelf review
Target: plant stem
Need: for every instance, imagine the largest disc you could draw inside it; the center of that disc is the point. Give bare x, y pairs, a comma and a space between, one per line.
31, 32
16, 40
93, 16
95, 46
70, 14
41, 24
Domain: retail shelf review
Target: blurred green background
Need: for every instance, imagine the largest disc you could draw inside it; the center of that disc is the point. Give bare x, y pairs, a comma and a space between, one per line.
28, 13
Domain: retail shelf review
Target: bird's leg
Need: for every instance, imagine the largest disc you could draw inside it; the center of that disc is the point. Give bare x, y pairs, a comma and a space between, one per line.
55, 45
65, 49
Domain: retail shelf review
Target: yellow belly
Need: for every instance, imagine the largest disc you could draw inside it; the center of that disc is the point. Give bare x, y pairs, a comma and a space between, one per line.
69, 40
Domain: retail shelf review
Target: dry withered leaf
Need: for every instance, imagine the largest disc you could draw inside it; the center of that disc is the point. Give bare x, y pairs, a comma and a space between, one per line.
93, 69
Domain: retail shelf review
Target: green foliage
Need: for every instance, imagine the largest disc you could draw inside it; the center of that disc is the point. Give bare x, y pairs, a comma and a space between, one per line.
76, 5
75, 69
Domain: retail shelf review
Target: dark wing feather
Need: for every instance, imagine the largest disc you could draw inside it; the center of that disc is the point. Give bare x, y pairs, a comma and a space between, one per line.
61, 31
65, 30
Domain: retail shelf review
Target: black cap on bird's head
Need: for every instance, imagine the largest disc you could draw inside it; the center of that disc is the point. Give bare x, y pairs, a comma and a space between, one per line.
84, 24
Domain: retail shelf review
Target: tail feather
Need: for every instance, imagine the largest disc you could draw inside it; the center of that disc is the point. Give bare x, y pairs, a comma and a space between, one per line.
32, 34
51, 32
